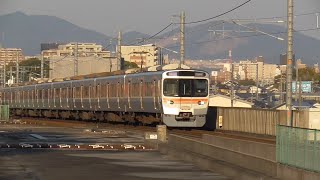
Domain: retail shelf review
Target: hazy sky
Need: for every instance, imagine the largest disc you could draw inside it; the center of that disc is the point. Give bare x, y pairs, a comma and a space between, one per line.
148, 16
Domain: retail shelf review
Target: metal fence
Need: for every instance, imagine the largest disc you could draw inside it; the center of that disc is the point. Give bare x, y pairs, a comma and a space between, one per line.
4, 112
298, 147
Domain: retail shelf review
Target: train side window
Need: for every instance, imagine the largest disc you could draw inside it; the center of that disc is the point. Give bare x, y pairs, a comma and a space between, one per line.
141, 88
154, 88
118, 89
129, 88
81, 92
98, 91
32, 94
86, 92
108, 90
61, 92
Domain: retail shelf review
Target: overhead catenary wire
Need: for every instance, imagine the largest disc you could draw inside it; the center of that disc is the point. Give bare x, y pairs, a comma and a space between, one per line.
156, 34
219, 15
238, 37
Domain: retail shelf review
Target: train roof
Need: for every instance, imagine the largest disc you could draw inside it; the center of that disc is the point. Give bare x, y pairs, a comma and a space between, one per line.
108, 75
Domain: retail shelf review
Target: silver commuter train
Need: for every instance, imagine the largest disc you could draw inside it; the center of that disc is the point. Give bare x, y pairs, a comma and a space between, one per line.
177, 98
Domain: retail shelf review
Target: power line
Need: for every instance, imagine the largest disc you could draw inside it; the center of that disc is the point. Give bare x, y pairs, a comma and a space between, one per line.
238, 37
203, 20
166, 27
277, 17
156, 34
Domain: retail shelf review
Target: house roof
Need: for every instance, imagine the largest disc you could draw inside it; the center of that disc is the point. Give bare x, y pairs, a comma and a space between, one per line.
295, 104
228, 97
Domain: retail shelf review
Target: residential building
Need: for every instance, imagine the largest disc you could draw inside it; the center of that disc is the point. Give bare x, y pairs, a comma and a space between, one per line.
223, 76
269, 72
283, 69
78, 49
258, 69
283, 59
251, 70
143, 56
219, 100
300, 65
47, 46
8, 55
316, 67
86, 65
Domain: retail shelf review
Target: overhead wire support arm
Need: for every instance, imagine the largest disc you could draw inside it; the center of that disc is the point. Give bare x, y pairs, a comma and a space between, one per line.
219, 15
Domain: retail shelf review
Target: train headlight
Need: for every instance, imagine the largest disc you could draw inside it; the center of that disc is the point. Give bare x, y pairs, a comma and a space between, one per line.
170, 102
201, 102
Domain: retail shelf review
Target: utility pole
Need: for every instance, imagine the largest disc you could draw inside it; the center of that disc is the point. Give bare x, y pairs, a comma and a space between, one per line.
4, 68
42, 66
289, 62
300, 91
76, 59
317, 14
17, 68
297, 79
119, 50
11, 77
281, 90
182, 24
232, 88
257, 81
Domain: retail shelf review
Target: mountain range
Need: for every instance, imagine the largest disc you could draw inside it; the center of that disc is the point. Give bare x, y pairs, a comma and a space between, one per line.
203, 41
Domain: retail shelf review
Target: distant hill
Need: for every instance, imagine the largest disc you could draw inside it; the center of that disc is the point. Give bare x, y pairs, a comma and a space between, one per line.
202, 44
29, 31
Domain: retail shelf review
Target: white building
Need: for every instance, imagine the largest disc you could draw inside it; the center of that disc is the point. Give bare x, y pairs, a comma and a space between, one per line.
145, 55
219, 100
77, 49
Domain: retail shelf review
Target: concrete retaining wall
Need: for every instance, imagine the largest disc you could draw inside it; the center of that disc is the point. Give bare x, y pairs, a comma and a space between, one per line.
238, 159
292, 173
262, 150
196, 150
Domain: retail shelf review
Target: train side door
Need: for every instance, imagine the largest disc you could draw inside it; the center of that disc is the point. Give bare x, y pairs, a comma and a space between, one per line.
141, 93
155, 95
129, 94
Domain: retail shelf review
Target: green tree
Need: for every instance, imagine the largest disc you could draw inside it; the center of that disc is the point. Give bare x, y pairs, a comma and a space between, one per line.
247, 82
32, 67
130, 65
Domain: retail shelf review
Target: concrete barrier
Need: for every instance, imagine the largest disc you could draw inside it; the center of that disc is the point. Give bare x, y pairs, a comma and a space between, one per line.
222, 159
292, 173
238, 159
262, 150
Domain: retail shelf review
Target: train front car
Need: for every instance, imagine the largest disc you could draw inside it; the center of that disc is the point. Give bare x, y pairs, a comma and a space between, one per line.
185, 98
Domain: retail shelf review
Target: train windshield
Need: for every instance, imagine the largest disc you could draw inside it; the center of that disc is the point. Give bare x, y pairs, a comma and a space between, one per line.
185, 87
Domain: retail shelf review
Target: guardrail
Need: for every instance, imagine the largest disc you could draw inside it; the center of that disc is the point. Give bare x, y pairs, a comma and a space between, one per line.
298, 147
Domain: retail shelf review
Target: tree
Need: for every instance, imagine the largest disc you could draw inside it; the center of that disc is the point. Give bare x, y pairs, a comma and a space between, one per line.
129, 65
247, 82
32, 67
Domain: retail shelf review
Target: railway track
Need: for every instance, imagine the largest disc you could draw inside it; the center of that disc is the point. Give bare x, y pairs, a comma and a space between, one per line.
188, 132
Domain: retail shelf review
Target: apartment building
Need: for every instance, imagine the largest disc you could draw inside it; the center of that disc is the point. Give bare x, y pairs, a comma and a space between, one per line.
252, 69
8, 55
77, 49
145, 55
86, 65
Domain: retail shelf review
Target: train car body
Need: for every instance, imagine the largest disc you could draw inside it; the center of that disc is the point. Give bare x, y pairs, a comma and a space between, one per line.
177, 98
